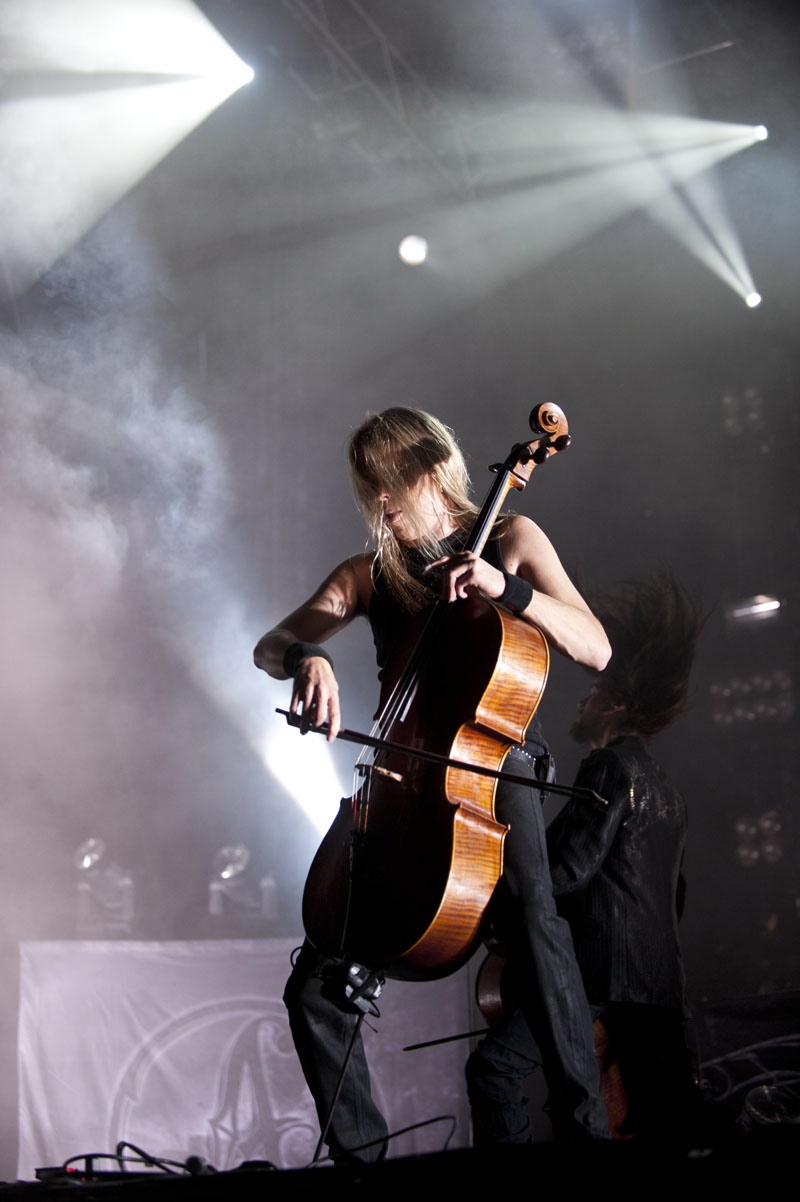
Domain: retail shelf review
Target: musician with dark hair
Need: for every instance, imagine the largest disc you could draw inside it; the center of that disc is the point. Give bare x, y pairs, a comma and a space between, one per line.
617, 869
411, 484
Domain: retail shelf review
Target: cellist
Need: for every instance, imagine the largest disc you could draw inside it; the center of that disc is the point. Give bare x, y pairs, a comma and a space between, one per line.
412, 487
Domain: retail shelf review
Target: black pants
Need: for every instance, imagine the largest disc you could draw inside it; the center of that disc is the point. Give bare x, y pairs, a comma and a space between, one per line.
656, 1066
552, 1025
649, 1045
323, 1027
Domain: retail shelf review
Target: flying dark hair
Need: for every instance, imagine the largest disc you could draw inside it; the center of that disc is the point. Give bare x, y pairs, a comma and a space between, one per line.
653, 626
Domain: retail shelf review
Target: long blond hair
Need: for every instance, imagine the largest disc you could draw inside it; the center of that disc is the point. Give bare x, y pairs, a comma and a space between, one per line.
392, 451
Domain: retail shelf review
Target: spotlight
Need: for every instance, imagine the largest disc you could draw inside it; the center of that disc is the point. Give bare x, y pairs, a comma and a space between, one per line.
760, 133
763, 697
231, 861
759, 608
89, 854
743, 413
234, 892
233, 73
413, 250
105, 894
164, 69
758, 840
753, 300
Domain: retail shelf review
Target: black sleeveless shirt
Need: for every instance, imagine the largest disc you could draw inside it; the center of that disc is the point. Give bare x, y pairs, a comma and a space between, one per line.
389, 620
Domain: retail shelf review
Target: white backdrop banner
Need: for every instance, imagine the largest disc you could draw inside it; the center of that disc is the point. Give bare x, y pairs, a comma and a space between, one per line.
183, 1048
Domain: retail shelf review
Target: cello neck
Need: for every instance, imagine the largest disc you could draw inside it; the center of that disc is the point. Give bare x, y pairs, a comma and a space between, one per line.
495, 498
548, 423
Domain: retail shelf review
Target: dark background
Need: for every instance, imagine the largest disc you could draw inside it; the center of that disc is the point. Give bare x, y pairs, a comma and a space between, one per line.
178, 387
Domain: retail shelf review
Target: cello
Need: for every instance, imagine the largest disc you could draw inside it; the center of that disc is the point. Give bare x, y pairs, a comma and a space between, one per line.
498, 993
403, 877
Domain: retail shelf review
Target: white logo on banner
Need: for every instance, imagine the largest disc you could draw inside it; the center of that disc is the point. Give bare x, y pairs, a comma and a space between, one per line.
230, 1070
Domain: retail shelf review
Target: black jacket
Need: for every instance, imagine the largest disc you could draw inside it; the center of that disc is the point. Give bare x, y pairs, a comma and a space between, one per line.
616, 873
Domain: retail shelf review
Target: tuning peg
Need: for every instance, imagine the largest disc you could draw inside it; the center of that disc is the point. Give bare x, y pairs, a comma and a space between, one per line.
562, 442
541, 455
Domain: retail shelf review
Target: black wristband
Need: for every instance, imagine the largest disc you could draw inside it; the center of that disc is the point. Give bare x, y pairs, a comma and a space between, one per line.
517, 593
295, 653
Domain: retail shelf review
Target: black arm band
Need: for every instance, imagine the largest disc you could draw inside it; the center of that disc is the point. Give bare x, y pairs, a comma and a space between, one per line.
517, 593
295, 653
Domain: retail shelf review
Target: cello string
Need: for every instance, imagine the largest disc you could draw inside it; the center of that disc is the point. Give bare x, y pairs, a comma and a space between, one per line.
402, 695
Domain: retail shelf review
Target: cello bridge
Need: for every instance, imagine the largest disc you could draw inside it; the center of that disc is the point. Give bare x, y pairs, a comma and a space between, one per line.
376, 770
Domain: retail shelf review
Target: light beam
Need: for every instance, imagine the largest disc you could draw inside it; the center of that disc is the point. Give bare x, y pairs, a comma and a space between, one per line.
96, 95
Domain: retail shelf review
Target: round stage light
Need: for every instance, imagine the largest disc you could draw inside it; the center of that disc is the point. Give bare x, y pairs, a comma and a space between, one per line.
413, 250
761, 133
752, 300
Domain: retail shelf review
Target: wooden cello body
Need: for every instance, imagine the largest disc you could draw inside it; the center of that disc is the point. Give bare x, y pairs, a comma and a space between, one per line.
403, 877
498, 993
